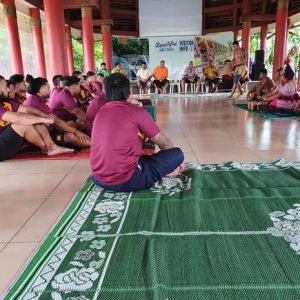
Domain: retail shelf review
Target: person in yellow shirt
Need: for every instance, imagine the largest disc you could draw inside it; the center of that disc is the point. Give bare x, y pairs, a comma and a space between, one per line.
211, 76
118, 69
161, 73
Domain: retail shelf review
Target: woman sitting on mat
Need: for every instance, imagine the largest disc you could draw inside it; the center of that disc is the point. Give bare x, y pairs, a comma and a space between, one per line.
117, 162
62, 133
284, 97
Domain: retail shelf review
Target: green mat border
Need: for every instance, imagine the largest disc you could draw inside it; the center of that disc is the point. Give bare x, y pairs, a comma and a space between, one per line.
48, 243
267, 116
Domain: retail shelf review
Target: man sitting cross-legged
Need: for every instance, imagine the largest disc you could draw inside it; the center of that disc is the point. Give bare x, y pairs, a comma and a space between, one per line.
19, 123
261, 89
118, 131
62, 133
64, 104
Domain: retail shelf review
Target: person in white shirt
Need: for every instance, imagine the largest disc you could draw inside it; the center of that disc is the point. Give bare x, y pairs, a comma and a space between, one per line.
144, 78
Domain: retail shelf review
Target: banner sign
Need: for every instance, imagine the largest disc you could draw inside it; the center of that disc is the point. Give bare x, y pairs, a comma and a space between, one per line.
177, 52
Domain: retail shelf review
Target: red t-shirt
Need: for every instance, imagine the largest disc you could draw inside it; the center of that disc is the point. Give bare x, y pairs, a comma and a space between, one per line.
117, 142
62, 105
92, 110
6, 106
39, 103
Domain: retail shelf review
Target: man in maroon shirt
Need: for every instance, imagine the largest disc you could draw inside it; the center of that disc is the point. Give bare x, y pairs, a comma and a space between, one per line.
64, 104
118, 131
19, 123
18, 80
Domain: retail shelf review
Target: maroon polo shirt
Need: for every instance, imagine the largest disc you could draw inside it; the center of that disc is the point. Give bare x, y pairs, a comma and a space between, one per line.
117, 139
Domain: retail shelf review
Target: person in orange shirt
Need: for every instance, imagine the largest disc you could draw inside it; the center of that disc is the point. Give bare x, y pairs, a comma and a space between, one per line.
161, 73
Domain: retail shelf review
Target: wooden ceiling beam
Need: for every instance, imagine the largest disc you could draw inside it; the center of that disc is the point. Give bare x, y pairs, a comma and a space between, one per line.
221, 8
75, 4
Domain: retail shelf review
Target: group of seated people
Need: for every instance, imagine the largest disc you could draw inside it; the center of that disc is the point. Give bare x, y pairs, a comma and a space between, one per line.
213, 77
281, 96
82, 112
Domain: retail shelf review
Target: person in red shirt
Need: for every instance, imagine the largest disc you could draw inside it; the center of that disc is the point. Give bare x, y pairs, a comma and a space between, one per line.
18, 80
62, 133
64, 104
19, 123
118, 131
57, 87
93, 86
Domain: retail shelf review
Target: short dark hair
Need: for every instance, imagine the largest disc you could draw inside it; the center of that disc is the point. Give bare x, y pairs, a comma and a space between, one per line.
117, 87
264, 71
236, 43
35, 85
70, 80
117, 64
90, 74
77, 73
100, 74
1, 77
8, 81
227, 60
17, 78
289, 73
103, 64
56, 79
28, 78
162, 61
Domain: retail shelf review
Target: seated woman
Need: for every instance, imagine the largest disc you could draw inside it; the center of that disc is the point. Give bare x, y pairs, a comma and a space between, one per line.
284, 97
117, 163
62, 133
19, 123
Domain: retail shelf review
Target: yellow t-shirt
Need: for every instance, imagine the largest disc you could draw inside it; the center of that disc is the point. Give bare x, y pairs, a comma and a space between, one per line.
160, 73
211, 72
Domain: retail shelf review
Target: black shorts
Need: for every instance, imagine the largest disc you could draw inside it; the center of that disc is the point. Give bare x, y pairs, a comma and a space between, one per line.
57, 137
10, 143
186, 80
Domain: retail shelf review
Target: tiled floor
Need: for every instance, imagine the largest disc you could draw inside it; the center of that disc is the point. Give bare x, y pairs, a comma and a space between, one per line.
34, 194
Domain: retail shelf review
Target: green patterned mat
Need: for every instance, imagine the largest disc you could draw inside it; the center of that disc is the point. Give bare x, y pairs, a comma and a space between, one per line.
269, 116
226, 231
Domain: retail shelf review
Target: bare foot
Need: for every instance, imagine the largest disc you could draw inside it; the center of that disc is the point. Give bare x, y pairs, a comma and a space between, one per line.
230, 96
175, 173
59, 150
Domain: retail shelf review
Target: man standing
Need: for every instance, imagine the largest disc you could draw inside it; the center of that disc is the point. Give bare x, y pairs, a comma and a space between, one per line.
239, 67
211, 76
190, 76
161, 73
117, 163
144, 78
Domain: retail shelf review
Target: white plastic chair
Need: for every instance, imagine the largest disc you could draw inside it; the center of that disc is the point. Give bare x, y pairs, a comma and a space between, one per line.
174, 83
193, 87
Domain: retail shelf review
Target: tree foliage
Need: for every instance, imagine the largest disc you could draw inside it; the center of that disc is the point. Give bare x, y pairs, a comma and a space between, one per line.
134, 46
78, 54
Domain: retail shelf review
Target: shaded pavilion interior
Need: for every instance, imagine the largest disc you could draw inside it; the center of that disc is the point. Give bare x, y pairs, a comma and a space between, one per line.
209, 130
91, 20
